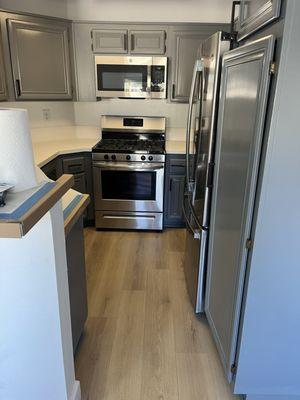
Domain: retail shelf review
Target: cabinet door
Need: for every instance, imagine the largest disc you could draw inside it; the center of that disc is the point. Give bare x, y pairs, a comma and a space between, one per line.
77, 280
175, 198
50, 170
110, 41
254, 14
40, 60
186, 48
3, 92
147, 42
80, 183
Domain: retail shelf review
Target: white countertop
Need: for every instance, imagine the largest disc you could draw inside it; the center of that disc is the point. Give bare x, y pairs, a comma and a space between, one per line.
48, 143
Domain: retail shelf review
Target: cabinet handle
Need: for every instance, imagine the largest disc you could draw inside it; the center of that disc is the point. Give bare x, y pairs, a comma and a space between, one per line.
125, 42
173, 91
132, 42
171, 184
18, 87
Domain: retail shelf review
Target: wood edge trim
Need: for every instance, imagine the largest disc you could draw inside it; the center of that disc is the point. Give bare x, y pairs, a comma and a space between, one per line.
76, 213
17, 229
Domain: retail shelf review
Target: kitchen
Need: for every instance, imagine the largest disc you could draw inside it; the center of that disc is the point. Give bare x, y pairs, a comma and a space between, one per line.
168, 137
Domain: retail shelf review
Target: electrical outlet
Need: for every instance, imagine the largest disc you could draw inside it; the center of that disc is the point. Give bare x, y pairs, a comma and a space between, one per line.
46, 114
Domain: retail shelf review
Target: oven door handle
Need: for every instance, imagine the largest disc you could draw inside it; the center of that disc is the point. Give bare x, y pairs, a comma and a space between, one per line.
129, 166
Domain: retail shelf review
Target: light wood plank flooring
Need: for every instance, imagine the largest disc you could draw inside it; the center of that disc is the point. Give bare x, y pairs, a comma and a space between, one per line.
142, 340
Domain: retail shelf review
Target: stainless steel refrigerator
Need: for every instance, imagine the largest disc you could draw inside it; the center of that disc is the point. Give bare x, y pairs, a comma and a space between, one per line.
200, 146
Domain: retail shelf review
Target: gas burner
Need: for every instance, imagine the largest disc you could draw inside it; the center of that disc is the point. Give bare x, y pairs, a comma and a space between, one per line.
135, 146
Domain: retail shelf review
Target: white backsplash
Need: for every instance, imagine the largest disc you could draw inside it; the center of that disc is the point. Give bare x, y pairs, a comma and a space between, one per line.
61, 112
88, 113
86, 116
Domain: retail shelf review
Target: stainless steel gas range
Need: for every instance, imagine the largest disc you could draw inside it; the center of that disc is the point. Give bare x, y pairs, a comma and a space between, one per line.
128, 170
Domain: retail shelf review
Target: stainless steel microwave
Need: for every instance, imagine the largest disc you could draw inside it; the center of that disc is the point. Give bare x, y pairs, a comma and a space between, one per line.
131, 77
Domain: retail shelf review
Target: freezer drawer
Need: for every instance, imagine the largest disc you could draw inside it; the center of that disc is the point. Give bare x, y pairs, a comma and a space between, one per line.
128, 220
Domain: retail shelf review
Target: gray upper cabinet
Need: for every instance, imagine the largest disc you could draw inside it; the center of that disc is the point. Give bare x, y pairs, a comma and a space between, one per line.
110, 41
40, 59
147, 42
3, 91
254, 14
186, 45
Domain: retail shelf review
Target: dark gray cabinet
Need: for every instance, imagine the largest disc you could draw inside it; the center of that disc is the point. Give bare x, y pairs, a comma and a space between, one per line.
3, 91
77, 280
110, 41
40, 58
53, 169
174, 190
81, 167
147, 42
254, 14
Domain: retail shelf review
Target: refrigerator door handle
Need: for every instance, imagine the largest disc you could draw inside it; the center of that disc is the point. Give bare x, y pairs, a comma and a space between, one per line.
195, 232
198, 68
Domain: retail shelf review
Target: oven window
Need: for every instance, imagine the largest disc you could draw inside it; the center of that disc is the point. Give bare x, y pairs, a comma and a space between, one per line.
128, 185
122, 78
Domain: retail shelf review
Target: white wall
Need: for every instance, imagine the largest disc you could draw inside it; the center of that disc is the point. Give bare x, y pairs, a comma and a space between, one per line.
61, 112
56, 8
150, 11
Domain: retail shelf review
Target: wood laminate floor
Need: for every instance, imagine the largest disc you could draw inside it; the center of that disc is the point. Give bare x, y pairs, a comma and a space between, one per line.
142, 340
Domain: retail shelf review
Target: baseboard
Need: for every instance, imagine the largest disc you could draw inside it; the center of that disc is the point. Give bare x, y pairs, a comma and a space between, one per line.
76, 393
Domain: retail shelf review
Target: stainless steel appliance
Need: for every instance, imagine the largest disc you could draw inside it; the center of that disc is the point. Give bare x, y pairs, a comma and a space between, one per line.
133, 77
200, 140
128, 170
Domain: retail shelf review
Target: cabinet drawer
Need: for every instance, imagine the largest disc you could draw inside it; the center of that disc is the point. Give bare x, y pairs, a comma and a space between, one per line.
73, 165
177, 166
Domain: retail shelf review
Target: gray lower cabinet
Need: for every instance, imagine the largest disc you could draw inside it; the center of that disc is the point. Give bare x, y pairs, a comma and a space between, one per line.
174, 190
80, 165
40, 58
186, 43
3, 91
77, 280
147, 42
254, 14
53, 169
112, 41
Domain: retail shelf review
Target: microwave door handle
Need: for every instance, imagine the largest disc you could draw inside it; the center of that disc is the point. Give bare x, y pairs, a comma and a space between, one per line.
198, 68
149, 73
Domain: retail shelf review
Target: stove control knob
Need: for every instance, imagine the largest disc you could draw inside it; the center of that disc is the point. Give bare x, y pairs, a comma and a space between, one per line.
113, 157
150, 158
128, 157
106, 157
143, 158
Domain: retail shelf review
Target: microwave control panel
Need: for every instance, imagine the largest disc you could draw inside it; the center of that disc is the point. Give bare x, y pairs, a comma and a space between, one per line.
158, 83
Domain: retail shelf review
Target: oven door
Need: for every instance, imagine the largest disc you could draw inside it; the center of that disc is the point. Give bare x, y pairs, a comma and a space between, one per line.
120, 76
128, 186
